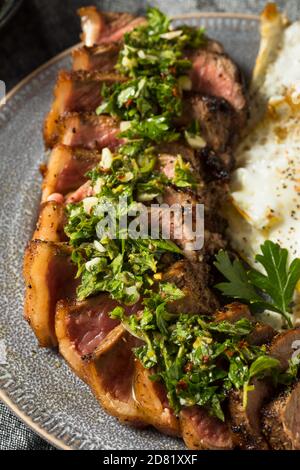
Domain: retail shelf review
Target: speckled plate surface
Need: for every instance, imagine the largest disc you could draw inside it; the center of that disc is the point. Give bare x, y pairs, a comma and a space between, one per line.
35, 383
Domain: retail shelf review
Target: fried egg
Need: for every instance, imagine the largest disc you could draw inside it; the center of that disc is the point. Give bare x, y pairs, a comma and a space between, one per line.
265, 187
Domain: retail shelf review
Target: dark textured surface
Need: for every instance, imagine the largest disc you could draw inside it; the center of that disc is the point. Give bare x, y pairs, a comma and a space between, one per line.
40, 30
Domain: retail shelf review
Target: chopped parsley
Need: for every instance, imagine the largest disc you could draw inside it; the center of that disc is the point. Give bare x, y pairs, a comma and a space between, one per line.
108, 258
198, 360
153, 58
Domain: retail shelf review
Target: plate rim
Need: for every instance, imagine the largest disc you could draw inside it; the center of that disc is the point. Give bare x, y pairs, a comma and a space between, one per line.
38, 429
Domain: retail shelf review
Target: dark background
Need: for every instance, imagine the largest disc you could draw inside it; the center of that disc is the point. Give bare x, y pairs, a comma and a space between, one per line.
43, 28
40, 30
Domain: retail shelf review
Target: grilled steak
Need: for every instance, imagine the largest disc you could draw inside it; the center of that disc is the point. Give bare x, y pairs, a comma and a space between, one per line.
215, 116
215, 166
281, 420
51, 222
235, 311
88, 322
88, 131
245, 423
151, 398
215, 74
201, 431
102, 58
75, 92
49, 276
67, 168
102, 28
108, 367
282, 346
262, 334
97, 347
194, 280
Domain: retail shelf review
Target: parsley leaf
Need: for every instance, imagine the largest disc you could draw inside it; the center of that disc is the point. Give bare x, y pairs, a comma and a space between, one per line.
238, 285
273, 290
280, 279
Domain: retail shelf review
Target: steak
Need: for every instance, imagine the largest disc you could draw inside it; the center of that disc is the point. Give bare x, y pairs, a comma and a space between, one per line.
281, 420
88, 131
103, 57
261, 334
102, 28
283, 346
194, 280
233, 312
216, 118
67, 168
75, 92
202, 431
216, 74
88, 322
151, 397
246, 423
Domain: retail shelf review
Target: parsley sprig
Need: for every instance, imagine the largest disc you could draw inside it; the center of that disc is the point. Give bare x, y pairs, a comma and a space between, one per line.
271, 290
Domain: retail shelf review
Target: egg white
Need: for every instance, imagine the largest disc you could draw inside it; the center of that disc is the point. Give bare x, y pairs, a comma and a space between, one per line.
265, 187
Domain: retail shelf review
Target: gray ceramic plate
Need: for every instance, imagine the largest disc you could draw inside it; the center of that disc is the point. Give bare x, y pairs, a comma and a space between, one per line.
35, 383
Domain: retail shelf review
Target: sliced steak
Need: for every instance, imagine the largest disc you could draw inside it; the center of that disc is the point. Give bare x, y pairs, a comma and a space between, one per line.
233, 312
108, 366
216, 74
246, 423
281, 420
88, 322
151, 398
49, 277
201, 431
75, 92
102, 58
111, 376
191, 235
167, 158
88, 131
101, 28
194, 280
51, 222
67, 168
283, 346
215, 116
215, 166
261, 334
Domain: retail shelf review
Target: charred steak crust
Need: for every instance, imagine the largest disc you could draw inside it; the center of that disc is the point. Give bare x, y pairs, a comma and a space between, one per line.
281, 420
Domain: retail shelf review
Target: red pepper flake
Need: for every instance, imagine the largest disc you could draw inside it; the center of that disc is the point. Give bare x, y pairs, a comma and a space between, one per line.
188, 367
182, 385
129, 102
229, 353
